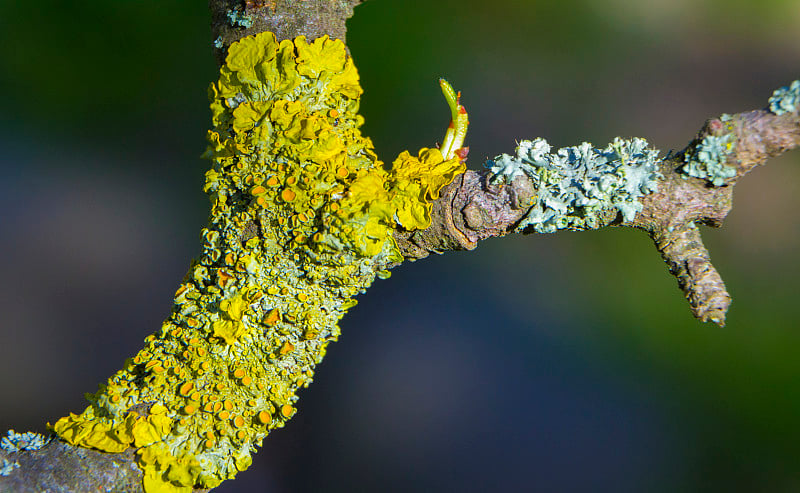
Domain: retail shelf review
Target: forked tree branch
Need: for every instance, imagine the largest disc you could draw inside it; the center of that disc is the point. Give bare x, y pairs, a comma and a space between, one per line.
678, 192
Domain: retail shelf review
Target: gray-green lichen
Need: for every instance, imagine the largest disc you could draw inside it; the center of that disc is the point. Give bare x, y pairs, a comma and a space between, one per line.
237, 18
7, 467
14, 442
786, 99
576, 185
707, 161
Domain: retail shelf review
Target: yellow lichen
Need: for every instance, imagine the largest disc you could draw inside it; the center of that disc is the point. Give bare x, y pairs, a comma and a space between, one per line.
302, 217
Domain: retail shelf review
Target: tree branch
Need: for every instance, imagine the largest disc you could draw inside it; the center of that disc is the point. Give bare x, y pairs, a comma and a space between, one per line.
474, 207
62, 467
693, 187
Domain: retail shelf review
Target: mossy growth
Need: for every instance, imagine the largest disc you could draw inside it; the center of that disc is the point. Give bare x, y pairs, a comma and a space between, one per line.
302, 216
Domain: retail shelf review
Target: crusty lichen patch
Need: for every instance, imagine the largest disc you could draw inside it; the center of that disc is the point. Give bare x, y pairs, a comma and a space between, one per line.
301, 221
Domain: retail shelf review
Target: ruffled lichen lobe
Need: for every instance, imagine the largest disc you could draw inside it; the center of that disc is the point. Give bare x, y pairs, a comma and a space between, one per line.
708, 158
16, 442
785, 99
302, 216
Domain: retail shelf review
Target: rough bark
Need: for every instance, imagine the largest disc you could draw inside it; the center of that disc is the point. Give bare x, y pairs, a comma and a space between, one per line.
59, 467
286, 18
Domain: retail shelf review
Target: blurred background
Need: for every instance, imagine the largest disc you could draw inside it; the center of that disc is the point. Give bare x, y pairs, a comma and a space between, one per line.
566, 362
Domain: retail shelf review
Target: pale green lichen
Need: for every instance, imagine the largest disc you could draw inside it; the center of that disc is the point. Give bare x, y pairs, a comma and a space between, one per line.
7, 467
240, 19
576, 184
786, 99
14, 442
301, 222
707, 161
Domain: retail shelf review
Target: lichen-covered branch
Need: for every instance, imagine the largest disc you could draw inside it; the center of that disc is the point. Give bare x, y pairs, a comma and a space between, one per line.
302, 213
623, 184
106, 447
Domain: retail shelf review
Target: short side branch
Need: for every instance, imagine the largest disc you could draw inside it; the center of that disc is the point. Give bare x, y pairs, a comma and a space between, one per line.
689, 261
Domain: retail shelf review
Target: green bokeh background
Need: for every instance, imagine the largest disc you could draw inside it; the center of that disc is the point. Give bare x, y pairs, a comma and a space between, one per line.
566, 362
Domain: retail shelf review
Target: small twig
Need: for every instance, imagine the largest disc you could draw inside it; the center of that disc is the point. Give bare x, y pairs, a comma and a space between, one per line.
689, 261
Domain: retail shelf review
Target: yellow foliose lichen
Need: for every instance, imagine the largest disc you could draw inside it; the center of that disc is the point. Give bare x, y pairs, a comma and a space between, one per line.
301, 221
